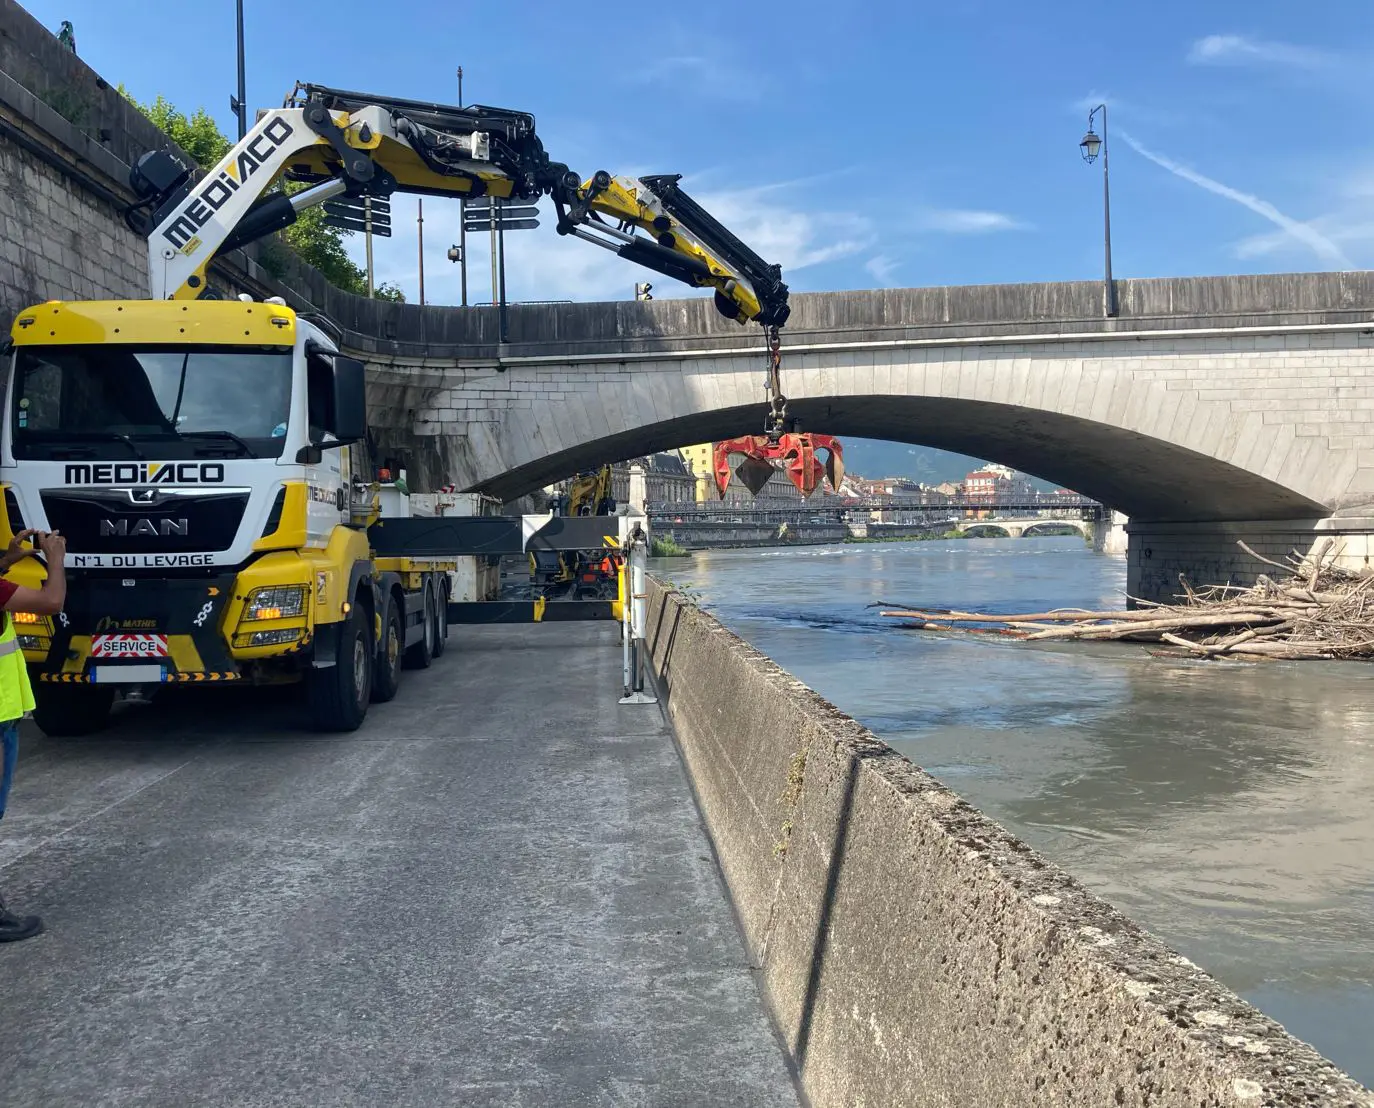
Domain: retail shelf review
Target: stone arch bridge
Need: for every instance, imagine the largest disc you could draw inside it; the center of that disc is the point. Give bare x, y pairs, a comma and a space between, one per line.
1211, 410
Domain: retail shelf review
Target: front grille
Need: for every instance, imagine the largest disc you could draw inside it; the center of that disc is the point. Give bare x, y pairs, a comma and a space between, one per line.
109, 521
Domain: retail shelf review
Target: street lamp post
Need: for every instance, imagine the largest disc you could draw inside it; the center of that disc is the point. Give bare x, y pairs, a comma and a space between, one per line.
1090, 146
420, 234
462, 258
237, 104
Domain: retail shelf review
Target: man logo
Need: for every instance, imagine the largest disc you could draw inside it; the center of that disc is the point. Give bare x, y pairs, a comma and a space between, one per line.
142, 528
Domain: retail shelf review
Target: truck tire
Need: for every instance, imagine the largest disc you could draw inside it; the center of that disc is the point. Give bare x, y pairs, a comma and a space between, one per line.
67, 710
337, 696
441, 622
422, 653
386, 670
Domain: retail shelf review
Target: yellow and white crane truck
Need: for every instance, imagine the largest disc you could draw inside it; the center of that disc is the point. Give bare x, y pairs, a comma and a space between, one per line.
203, 456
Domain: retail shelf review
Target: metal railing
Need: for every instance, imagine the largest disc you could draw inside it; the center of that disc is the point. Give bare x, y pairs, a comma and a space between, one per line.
834, 506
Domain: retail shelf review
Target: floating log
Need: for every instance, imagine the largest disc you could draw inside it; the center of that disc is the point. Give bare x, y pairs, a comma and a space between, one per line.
1316, 612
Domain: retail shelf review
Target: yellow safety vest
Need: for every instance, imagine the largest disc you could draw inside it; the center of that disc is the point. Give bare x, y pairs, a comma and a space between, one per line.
16, 694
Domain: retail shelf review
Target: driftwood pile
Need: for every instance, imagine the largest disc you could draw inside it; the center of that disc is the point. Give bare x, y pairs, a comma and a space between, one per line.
1315, 611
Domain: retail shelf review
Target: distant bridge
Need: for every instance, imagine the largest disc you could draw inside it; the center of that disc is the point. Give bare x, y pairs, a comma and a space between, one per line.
935, 508
1017, 528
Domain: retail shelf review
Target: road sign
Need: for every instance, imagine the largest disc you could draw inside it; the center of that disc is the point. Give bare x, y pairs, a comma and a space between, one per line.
348, 213
483, 204
348, 224
379, 206
508, 211
501, 224
486, 224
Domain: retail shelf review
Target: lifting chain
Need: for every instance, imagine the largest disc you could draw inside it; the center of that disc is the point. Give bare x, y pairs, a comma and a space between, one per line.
776, 423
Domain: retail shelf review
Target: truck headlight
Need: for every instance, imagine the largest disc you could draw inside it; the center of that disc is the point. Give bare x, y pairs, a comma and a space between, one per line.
274, 638
275, 602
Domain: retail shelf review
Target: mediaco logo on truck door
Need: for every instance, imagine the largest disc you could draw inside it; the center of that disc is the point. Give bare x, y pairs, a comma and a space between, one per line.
182, 233
144, 473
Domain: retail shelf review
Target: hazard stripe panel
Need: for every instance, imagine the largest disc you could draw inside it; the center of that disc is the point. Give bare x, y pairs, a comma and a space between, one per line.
170, 678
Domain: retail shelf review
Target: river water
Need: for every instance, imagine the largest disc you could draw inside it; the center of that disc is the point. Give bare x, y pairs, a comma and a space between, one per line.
1228, 808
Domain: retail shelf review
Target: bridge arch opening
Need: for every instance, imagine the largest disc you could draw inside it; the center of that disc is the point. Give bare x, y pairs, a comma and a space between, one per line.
1143, 476
1048, 527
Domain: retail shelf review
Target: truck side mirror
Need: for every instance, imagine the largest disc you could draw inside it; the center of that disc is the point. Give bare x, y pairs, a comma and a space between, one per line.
350, 400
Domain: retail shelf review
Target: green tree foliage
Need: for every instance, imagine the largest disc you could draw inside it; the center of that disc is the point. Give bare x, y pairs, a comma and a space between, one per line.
310, 237
197, 134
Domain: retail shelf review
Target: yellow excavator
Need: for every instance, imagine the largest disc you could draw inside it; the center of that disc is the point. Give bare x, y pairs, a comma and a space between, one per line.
582, 574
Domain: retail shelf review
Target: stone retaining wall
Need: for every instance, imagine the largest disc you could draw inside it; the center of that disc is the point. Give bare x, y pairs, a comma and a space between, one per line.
915, 953
719, 535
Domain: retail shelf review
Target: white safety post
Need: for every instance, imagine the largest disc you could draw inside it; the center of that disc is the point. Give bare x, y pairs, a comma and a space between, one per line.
634, 541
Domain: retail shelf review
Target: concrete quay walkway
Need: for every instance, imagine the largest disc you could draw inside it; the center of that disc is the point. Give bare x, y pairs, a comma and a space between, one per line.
498, 892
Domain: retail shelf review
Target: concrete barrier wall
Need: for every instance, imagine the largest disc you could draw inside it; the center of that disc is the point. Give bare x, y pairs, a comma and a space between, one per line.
912, 951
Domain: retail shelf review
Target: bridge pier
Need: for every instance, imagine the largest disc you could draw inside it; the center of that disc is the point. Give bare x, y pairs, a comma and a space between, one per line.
1160, 553
1109, 534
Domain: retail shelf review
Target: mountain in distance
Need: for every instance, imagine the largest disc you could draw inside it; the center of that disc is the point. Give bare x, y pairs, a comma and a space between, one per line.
874, 458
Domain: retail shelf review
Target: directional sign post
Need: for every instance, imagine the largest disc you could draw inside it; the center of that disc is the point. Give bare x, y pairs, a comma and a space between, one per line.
497, 216
513, 216
369, 214
358, 213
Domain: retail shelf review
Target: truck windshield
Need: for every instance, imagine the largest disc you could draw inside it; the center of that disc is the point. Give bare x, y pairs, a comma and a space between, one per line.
116, 401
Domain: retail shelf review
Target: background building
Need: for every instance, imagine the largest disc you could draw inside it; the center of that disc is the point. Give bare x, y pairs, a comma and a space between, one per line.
698, 462
667, 480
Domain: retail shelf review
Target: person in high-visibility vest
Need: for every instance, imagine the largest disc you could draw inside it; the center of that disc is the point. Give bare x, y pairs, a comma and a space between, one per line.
16, 697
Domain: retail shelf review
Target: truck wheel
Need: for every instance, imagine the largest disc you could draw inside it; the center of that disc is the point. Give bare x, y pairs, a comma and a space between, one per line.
63, 711
386, 673
441, 623
337, 696
422, 653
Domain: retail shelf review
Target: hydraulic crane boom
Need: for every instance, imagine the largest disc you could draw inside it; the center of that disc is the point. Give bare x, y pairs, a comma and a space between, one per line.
329, 142
335, 142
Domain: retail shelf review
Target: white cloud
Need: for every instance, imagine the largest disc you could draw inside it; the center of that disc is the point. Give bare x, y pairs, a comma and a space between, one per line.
960, 221
1239, 50
697, 73
1347, 222
1152, 115
691, 67
882, 268
792, 237
1093, 99
1304, 233
542, 265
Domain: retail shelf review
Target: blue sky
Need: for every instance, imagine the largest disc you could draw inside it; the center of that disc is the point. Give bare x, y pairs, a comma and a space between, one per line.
879, 144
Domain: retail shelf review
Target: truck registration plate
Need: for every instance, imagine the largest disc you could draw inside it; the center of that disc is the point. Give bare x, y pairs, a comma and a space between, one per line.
127, 675
129, 646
